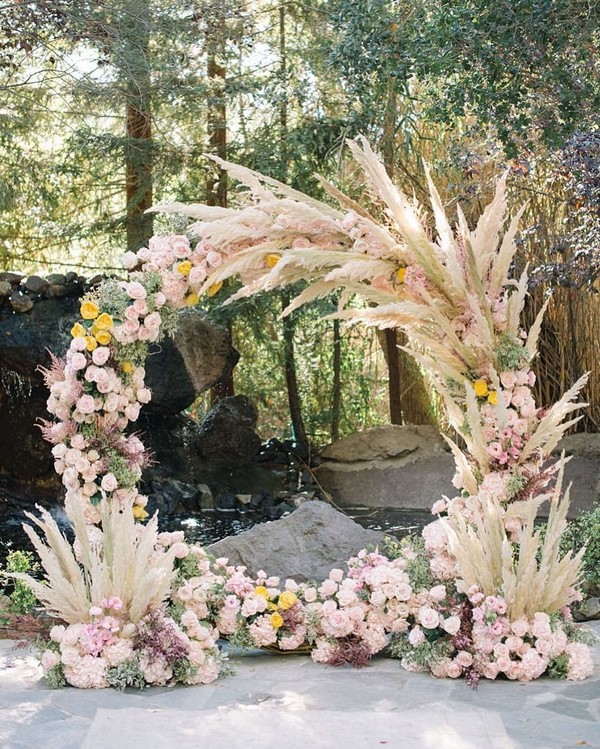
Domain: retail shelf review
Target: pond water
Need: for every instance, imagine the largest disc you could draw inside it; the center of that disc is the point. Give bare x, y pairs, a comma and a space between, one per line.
208, 527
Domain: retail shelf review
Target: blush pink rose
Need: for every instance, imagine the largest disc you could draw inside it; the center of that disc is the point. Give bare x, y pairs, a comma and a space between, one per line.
109, 482
100, 355
453, 670
428, 617
416, 636
135, 290
451, 625
86, 404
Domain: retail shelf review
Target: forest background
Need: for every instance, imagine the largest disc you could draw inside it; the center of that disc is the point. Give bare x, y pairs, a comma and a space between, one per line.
109, 107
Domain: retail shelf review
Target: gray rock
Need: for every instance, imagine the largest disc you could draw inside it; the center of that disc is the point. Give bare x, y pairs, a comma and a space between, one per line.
582, 445
305, 545
409, 468
36, 284
206, 501
13, 278
391, 466
58, 278
385, 442
57, 290
227, 435
587, 610
416, 485
20, 302
5, 288
182, 367
584, 475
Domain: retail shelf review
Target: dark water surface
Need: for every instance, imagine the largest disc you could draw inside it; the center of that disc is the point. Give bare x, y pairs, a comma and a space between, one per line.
211, 526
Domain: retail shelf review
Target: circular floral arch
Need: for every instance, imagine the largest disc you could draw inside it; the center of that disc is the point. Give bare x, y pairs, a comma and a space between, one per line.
473, 597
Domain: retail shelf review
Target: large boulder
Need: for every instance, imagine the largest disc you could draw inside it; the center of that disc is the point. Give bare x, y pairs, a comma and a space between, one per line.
409, 467
197, 356
227, 435
305, 545
582, 471
390, 466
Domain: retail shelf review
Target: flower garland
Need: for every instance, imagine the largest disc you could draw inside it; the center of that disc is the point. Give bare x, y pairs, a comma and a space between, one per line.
469, 599
383, 599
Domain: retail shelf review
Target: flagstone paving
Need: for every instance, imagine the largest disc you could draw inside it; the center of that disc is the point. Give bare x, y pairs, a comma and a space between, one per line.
295, 704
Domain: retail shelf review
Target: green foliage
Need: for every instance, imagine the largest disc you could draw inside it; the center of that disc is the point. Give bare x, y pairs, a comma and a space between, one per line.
515, 483
527, 68
183, 670
511, 354
423, 654
22, 599
125, 675
241, 639
579, 633
585, 531
412, 549
557, 668
55, 677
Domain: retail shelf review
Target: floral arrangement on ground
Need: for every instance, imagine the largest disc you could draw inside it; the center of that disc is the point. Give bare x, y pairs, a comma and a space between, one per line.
482, 593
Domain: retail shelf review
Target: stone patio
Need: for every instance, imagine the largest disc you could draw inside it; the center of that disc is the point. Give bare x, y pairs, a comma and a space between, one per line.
294, 703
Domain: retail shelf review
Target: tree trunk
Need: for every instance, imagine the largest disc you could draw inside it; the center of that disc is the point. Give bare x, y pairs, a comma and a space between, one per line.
408, 397
389, 341
412, 394
336, 398
291, 379
216, 180
394, 384
138, 149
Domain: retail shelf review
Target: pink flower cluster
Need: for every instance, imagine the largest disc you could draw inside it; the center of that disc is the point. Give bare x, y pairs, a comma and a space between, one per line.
86, 653
97, 391
181, 268
454, 634
351, 616
520, 649
139, 323
95, 395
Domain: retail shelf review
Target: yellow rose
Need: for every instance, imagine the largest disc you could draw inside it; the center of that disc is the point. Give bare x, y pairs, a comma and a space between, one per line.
89, 310
481, 388
184, 267
127, 367
139, 513
272, 259
90, 343
276, 621
78, 331
214, 289
260, 590
192, 299
103, 337
287, 599
103, 322
493, 397
400, 274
